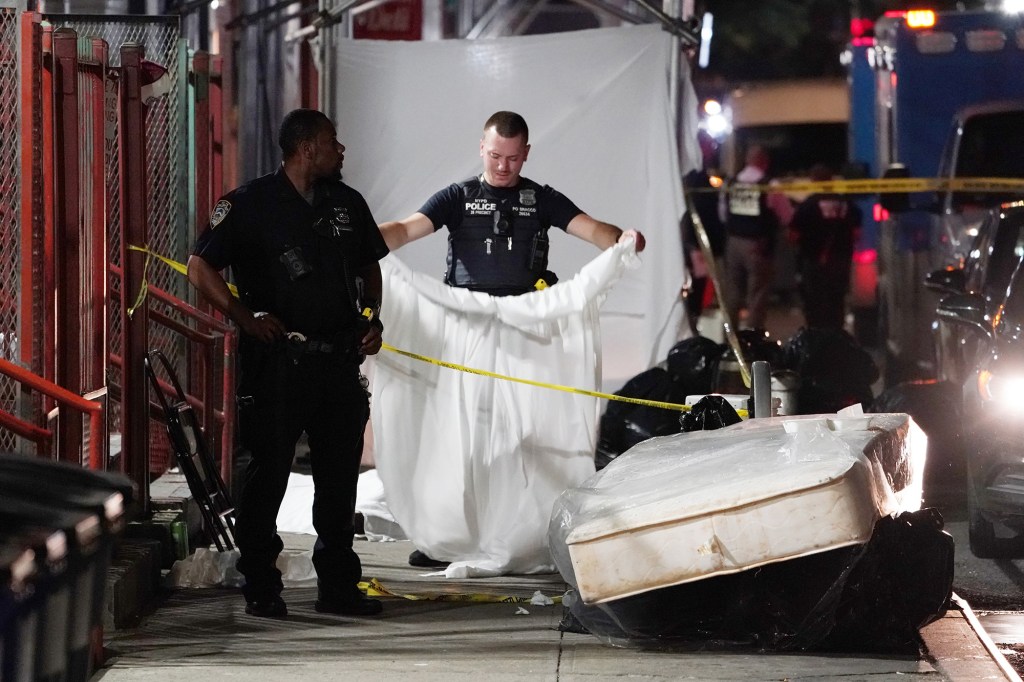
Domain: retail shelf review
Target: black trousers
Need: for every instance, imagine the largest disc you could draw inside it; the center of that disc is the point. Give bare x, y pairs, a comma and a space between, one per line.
823, 289
279, 398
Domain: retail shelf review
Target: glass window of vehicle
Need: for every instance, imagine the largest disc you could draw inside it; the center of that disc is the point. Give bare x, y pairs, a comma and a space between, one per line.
991, 146
996, 267
1013, 306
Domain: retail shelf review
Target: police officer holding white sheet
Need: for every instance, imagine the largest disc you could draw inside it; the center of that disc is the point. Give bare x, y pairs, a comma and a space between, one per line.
498, 221
497, 245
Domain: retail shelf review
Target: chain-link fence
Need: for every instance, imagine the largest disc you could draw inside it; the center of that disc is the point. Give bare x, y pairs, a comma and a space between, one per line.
10, 210
168, 229
166, 148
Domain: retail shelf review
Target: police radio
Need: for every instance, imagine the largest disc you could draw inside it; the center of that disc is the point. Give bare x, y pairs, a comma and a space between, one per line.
538, 252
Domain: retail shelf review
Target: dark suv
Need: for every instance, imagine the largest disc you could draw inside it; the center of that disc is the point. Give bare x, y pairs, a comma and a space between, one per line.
979, 335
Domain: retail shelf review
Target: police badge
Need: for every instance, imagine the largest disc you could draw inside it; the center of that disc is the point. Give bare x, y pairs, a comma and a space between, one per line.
527, 197
220, 212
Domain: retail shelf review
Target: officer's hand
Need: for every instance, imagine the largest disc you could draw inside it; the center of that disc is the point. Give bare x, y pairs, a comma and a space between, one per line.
638, 237
370, 343
265, 327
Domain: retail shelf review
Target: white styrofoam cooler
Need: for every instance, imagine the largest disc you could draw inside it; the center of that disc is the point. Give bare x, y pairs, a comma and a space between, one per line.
695, 505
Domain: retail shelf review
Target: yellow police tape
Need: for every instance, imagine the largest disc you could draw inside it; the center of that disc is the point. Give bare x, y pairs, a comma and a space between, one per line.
541, 384
174, 265
451, 365
887, 186
374, 588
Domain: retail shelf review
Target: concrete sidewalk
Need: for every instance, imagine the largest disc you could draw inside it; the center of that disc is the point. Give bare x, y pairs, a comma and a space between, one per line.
204, 634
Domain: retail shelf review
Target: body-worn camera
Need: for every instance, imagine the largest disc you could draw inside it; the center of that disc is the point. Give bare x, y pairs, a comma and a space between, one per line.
295, 263
502, 223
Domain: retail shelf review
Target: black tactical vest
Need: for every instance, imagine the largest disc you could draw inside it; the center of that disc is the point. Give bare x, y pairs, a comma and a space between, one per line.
501, 247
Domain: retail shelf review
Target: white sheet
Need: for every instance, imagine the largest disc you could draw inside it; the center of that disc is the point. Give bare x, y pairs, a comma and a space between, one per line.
471, 465
411, 114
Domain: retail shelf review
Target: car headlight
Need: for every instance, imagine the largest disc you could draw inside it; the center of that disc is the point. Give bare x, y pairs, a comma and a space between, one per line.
1004, 390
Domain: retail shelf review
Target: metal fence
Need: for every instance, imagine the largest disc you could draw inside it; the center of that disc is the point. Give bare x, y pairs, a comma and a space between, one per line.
10, 213
169, 228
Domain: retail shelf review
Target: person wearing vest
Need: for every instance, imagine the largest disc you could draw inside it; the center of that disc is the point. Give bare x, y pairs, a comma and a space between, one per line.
304, 250
753, 219
824, 229
498, 221
498, 224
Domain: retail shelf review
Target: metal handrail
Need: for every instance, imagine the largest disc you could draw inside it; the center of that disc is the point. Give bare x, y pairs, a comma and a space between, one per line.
225, 416
63, 397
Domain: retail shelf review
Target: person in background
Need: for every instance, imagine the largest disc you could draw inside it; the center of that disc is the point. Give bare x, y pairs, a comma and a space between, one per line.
824, 229
754, 217
304, 250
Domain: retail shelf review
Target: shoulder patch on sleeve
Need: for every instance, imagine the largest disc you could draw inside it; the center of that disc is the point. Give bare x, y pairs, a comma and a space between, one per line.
220, 212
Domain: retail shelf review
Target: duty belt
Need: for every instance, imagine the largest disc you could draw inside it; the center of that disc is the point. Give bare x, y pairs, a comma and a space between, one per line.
300, 343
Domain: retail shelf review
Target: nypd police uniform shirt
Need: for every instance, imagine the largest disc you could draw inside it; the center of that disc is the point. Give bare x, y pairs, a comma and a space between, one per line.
497, 236
292, 259
446, 207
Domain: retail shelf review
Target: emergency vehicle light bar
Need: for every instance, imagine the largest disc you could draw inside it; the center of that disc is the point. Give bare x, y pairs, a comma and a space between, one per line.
920, 18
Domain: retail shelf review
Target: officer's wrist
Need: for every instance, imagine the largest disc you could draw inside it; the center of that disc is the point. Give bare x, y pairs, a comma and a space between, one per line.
239, 313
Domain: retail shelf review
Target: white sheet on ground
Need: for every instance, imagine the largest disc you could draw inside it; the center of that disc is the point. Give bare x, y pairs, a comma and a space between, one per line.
472, 464
601, 132
296, 513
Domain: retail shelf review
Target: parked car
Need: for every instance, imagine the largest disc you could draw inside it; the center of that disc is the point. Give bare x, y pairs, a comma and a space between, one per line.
980, 346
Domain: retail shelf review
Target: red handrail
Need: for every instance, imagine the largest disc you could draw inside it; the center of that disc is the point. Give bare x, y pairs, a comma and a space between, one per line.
64, 397
226, 415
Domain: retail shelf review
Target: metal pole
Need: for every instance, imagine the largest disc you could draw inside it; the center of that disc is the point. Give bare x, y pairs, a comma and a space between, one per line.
134, 309
49, 178
762, 389
68, 246
674, 9
95, 309
32, 286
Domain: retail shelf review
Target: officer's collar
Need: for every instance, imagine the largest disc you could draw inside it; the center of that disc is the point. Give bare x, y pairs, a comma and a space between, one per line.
286, 190
492, 188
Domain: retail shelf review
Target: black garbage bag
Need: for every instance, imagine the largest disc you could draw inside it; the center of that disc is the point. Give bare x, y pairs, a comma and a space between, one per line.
870, 598
936, 407
709, 413
755, 344
625, 424
693, 363
902, 582
834, 370
688, 370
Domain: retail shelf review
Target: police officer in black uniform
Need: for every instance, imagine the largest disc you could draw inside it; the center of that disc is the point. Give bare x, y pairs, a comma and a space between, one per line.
498, 221
824, 228
498, 225
304, 250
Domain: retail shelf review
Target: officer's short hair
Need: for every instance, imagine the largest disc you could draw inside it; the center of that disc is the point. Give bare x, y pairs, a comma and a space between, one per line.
299, 126
509, 124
